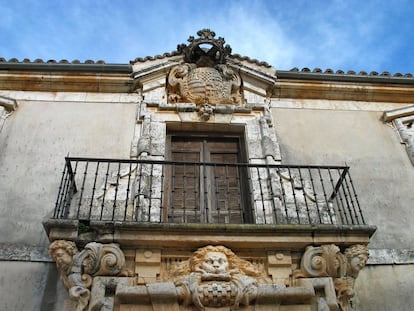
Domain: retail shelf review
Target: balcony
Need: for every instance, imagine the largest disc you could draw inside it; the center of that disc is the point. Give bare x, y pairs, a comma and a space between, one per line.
185, 192
113, 196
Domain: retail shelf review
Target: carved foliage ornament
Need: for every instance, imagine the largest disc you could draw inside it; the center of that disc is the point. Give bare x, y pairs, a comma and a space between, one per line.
77, 268
328, 261
203, 77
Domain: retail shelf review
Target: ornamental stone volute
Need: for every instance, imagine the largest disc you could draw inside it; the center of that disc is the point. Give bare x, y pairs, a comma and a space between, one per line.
77, 268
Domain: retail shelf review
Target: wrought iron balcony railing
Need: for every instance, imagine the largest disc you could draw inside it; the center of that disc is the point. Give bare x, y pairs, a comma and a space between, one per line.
185, 192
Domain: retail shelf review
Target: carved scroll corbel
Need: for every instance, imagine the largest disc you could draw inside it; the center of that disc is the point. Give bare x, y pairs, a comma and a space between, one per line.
322, 261
328, 261
77, 269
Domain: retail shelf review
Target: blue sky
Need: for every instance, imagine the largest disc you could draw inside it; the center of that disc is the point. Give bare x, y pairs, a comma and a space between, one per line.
338, 34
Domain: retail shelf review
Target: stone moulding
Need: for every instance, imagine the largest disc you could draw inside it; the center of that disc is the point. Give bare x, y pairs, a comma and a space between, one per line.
212, 278
9, 104
403, 119
7, 107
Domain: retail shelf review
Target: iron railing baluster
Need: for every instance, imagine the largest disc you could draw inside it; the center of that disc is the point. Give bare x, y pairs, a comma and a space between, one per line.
61, 192
283, 199
161, 194
93, 189
354, 194
325, 196
85, 172
304, 195
345, 200
114, 206
315, 195
138, 192
127, 193
351, 207
292, 181
104, 190
335, 196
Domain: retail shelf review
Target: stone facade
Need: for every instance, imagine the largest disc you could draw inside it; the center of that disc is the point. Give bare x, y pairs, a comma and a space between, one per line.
213, 277
307, 244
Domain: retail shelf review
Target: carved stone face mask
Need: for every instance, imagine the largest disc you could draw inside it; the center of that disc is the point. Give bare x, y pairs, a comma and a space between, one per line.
215, 262
62, 258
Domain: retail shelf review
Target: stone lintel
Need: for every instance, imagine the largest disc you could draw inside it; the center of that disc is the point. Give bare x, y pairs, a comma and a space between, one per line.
269, 294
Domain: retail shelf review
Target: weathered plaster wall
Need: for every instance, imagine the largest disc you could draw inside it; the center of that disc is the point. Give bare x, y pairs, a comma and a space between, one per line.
394, 283
381, 171
23, 286
33, 144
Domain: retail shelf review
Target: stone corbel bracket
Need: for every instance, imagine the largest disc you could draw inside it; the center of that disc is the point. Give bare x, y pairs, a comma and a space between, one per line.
327, 261
403, 119
77, 269
7, 106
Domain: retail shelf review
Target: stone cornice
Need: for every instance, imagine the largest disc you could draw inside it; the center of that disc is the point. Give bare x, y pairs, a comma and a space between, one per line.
346, 77
67, 67
288, 84
30, 253
195, 235
65, 82
364, 90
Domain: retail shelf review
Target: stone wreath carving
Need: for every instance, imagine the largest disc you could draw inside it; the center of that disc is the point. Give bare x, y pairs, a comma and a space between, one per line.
215, 277
78, 268
328, 261
203, 77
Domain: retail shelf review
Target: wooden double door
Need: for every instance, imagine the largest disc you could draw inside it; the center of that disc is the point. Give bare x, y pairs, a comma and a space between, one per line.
209, 187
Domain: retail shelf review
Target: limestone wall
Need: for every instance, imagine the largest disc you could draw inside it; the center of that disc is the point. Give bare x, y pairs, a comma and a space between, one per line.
380, 168
390, 288
384, 179
34, 140
46, 127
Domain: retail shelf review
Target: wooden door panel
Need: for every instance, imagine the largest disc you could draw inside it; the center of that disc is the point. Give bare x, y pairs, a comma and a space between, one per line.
184, 194
204, 193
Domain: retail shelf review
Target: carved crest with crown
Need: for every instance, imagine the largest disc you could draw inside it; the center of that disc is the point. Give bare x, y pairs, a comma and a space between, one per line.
203, 77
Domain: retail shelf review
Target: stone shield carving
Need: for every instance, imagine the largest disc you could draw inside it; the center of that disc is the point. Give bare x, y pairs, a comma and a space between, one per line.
204, 85
204, 78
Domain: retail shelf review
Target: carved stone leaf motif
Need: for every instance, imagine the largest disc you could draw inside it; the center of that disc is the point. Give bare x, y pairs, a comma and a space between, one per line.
78, 268
345, 291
